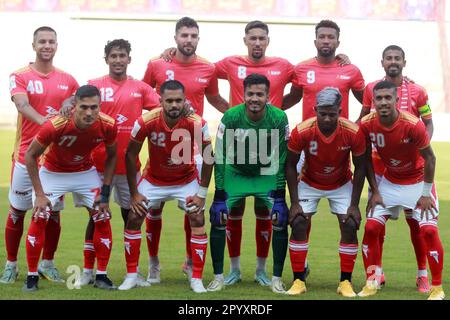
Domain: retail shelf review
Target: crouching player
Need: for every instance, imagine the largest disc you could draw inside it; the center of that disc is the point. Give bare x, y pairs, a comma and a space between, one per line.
171, 174
67, 167
327, 141
404, 147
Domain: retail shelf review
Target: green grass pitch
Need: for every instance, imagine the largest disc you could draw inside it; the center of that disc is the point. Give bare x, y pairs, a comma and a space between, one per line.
398, 257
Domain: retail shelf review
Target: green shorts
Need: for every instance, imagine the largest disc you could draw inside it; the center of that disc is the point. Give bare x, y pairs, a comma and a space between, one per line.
239, 187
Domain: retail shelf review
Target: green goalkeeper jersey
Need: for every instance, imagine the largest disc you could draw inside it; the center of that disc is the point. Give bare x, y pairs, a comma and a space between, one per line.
251, 148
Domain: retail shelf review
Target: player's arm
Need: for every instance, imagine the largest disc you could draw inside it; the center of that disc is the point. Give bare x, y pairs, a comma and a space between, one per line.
292, 98
359, 176
23, 107
110, 165
426, 202
358, 94
35, 150
218, 102
429, 127
291, 177
136, 201
375, 198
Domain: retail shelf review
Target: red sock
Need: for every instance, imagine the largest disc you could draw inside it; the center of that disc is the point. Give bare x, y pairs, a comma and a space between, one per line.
420, 247
199, 244
13, 234
371, 245
132, 241
263, 235
435, 251
52, 233
35, 242
348, 253
89, 254
102, 242
234, 235
298, 250
187, 235
153, 228
381, 244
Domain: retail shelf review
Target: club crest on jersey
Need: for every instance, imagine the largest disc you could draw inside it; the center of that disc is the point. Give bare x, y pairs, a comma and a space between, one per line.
200, 253
106, 242
51, 110
121, 118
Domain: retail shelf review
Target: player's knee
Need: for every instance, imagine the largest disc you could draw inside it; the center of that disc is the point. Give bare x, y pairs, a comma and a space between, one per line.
134, 221
17, 212
350, 227
373, 228
429, 232
299, 227
196, 220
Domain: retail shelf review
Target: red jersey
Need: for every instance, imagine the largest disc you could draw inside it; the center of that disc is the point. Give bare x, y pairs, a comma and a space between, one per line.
327, 159
162, 169
46, 93
235, 69
69, 148
311, 77
123, 101
398, 146
198, 78
411, 98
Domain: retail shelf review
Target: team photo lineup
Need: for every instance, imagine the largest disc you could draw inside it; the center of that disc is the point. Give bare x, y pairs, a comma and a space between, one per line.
86, 140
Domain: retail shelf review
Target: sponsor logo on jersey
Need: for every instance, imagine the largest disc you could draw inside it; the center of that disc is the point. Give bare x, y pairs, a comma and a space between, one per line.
106, 242
344, 148
394, 162
31, 240
63, 87
274, 72
121, 118
328, 170
77, 158
200, 253
406, 140
343, 77
136, 94
201, 80
98, 140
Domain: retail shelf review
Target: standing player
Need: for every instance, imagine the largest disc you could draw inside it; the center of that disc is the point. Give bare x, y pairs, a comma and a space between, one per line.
246, 134
170, 174
327, 141
199, 79
404, 147
38, 91
413, 99
322, 71
68, 167
123, 98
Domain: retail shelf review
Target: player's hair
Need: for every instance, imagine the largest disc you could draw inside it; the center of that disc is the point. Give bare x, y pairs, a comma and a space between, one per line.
385, 85
328, 24
393, 47
87, 91
171, 85
329, 97
186, 22
117, 43
256, 78
256, 24
43, 28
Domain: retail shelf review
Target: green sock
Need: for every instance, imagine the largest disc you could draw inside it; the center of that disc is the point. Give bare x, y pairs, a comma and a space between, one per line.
217, 241
279, 249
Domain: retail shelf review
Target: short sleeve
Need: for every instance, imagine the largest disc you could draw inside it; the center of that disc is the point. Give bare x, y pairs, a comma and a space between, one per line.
139, 131
151, 98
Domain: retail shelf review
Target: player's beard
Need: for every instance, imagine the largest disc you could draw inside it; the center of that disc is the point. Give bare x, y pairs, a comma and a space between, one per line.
187, 53
326, 54
393, 73
173, 113
257, 54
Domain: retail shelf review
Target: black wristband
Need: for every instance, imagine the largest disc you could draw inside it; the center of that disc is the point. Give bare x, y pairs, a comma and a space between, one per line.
220, 195
104, 193
279, 193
